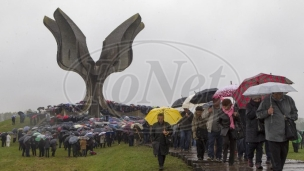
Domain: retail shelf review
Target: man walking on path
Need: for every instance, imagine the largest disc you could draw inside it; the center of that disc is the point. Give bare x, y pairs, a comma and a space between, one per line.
272, 110
211, 111
185, 125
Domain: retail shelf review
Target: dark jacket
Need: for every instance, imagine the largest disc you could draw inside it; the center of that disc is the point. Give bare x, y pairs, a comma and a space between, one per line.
158, 136
186, 122
252, 135
224, 122
275, 124
47, 143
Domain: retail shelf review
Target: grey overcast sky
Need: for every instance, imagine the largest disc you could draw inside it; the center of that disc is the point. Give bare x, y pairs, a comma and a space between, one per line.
239, 39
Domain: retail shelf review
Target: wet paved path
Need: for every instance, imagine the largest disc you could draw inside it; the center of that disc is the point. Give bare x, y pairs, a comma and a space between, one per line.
190, 159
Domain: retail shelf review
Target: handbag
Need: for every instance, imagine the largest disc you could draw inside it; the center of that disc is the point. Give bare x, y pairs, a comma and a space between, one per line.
261, 126
290, 127
237, 133
201, 133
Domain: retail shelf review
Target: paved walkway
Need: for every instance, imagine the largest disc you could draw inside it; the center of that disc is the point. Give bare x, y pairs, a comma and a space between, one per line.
190, 159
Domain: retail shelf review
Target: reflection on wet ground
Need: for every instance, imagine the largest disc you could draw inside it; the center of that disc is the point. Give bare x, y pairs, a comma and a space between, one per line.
190, 159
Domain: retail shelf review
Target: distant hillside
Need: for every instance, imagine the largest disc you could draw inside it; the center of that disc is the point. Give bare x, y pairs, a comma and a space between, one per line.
6, 116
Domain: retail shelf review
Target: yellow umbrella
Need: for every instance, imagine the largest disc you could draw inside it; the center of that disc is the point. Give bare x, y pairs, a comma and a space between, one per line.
171, 115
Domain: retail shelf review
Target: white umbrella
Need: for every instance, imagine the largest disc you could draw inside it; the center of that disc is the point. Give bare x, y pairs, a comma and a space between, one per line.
189, 105
268, 88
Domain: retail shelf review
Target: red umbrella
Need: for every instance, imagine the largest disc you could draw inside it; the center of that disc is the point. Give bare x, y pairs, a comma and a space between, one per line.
252, 81
58, 116
226, 91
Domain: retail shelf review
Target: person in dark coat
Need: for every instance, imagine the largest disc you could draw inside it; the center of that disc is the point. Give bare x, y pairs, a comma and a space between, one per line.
228, 119
54, 147
254, 139
274, 119
185, 126
3, 139
41, 148
241, 143
13, 119
200, 132
33, 146
109, 139
159, 133
60, 138
23, 148
27, 145
119, 137
131, 137
47, 147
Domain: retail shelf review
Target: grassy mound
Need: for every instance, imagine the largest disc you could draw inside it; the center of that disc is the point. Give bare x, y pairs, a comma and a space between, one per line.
116, 158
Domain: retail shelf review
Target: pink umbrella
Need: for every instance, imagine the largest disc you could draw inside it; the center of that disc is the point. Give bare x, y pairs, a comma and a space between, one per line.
226, 91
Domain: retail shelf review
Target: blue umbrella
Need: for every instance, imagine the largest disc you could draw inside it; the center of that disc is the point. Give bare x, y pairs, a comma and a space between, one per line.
90, 135
73, 140
26, 128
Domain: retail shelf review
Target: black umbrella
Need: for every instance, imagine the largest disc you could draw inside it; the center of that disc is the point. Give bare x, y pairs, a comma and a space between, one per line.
14, 130
203, 96
22, 138
67, 138
98, 130
53, 141
26, 138
178, 102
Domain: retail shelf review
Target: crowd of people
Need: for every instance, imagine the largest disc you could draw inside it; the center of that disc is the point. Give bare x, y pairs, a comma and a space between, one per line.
219, 128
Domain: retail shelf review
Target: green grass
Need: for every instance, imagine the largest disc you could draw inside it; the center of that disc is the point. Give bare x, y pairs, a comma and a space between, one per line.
116, 158
293, 155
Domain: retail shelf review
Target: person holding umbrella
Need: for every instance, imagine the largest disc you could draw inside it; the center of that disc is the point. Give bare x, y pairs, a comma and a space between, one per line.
53, 146
228, 120
159, 133
47, 147
271, 110
200, 132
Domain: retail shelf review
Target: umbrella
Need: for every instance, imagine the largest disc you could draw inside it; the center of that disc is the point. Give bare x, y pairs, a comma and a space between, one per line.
34, 128
53, 141
102, 133
67, 138
268, 88
14, 130
78, 126
171, 115
26, 128
252, 81
73, 140
26, 138
204, 96
10, 132
226, 91
179, 102
22, 138
188, 104
90, 135
137, 125
98, 130
36, 134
